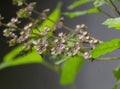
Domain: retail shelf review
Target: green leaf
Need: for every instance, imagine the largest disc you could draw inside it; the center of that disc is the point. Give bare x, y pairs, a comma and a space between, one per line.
80, 13
32, 57
12, 54
115, 86
116, 73
70, 69
98, 3
113, 23
54, 16
105, 48
11, 60
75, 14
78, 3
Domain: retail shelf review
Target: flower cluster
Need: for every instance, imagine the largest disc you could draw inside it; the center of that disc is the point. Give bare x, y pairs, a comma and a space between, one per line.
60, 44
12, 30
68, 44
79, 41
18, 2
27, 11
71, 44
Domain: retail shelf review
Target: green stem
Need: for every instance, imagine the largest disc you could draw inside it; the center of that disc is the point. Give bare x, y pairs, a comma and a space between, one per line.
64, 26
6, 26
108, 59
38, 13
50, 66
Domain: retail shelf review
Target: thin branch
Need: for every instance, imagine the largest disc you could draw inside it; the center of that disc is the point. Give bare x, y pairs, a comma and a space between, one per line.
114, 8
5, 25
50, 66
105, 13
108, 59
38, 13
64, 26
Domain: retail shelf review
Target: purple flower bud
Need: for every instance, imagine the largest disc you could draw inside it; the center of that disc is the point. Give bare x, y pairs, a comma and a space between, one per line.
59, 25
62, 46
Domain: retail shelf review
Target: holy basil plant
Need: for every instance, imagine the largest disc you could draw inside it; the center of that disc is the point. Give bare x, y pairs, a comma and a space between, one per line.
68, 49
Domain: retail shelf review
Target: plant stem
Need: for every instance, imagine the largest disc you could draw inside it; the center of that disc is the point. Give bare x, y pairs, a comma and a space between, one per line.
105, 13
108, 59
6, 26
64, 26
114, 8
50, 66
38, 13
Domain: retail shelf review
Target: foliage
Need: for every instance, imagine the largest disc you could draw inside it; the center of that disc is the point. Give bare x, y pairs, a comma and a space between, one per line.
116, 73
78, 3
105, 48
113, 23
32, 57
37, 38
74, 64
80, 13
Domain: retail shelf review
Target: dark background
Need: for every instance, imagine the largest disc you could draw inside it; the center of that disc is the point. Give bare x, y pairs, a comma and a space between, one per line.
94, 75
